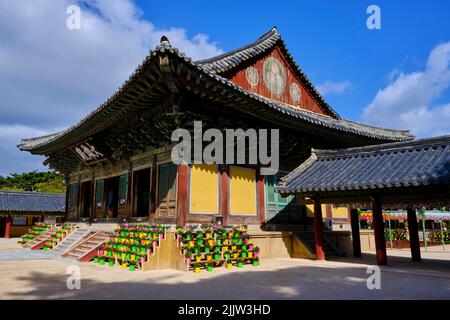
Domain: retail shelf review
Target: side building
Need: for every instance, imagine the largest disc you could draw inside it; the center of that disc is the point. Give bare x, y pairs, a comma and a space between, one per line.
19, 211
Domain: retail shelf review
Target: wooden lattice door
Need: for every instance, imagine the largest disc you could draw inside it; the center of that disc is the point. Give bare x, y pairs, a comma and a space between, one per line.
167, 190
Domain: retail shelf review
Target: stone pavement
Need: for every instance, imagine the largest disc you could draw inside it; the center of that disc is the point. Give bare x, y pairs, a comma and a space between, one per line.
41, 276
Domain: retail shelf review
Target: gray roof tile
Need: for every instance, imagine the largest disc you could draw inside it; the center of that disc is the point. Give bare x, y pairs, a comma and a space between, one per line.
391, 165
31, 202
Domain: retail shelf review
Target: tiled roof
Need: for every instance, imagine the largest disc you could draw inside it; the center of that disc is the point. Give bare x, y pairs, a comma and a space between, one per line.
404, 164
111, 110
31, 202
230, 60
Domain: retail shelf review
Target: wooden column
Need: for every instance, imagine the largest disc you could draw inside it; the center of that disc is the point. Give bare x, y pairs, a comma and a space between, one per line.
182, 194
153, 197
378, 229
79, 199
413, 230
67, 197
318, 230
93, 202
8, 226
261, 205
356, 240
129, 192
224, 193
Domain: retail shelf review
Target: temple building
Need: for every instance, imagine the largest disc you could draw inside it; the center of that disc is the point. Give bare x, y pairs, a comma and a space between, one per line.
117, 160
20, 210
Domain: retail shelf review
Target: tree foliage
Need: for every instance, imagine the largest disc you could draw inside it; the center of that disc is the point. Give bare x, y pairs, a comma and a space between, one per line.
49, 181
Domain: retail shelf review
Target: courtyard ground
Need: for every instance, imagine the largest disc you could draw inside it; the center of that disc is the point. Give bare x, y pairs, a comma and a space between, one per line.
26, 274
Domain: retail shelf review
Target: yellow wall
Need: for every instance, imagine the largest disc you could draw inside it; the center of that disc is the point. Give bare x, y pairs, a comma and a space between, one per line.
310, 210
340, 212
204, 193
242, 191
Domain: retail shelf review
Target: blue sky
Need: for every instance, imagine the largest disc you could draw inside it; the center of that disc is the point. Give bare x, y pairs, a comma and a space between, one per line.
329, 39
51, 77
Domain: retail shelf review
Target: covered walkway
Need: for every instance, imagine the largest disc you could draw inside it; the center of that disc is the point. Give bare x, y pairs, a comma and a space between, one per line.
406, 175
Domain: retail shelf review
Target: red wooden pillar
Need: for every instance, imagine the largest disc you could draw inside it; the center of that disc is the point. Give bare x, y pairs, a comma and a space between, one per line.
413, 230
318, 231
356, 240
261, 205
8, 226
67, 197
224, 193
378, 229
182, 195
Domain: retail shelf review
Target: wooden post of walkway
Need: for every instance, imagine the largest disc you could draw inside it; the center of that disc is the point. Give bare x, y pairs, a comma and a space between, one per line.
318, 230
356, 240
413, 230
378, 229
8, 226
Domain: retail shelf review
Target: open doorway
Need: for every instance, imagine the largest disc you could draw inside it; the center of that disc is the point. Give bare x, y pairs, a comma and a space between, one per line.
86, 199
141, 185
112, 196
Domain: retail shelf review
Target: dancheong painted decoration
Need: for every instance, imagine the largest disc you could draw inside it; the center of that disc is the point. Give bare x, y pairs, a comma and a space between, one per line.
274, 75
252, 76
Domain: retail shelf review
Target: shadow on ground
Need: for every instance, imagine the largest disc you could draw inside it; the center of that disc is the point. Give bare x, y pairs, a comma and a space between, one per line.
297, 282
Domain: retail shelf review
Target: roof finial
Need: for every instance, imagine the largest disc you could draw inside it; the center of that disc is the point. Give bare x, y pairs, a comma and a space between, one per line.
164, 41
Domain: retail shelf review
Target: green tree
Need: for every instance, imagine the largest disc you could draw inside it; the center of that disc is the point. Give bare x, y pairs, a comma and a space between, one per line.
49, 181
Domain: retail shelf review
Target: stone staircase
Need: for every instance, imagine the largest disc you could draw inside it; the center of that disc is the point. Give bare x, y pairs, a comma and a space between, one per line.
74, 238
307, 238
38, 242
86, 249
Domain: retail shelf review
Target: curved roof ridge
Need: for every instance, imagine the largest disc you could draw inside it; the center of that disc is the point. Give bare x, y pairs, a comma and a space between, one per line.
271, 34
439, 141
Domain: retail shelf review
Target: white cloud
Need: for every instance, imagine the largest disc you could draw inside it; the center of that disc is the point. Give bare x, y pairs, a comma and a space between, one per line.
51, 76
11, 157
407, 101
329, 87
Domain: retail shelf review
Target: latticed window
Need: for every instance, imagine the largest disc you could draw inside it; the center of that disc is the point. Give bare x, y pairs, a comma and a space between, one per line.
275, 203
167, 186
123, 189
99, 191
73, 194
